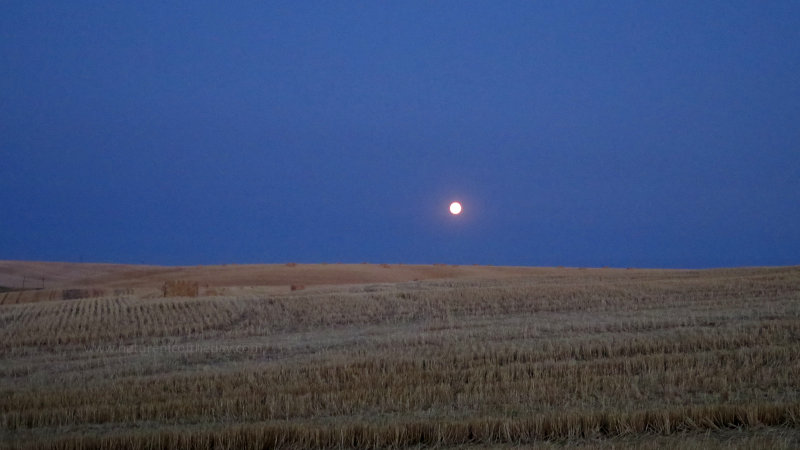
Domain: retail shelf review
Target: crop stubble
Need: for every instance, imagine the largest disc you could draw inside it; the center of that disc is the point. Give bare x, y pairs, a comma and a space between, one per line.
570, 354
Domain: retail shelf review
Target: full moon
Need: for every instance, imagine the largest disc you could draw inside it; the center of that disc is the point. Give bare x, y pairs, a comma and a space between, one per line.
455, 208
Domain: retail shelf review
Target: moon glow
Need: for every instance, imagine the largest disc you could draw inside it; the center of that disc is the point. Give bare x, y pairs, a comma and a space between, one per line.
455, 208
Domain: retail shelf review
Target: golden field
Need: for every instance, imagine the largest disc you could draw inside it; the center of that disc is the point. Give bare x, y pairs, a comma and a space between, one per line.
373, 356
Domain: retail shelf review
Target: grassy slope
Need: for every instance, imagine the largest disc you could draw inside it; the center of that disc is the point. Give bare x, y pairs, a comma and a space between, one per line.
587, 357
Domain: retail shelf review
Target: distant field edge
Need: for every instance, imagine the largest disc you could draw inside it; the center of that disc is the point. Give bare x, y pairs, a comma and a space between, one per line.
527, 430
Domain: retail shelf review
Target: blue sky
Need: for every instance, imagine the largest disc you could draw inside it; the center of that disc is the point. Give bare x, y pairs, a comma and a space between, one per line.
642, 134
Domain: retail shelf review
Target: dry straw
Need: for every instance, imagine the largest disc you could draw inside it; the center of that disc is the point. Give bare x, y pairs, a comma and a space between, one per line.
565, 355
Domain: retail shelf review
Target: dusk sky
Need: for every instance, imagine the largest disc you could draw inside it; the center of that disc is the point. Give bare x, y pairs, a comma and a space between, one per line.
623, 133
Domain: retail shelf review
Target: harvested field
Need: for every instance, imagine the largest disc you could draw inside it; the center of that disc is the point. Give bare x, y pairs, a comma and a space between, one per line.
51, 278
597, 358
